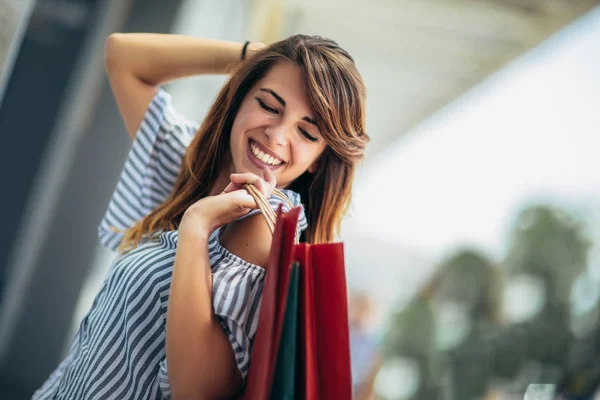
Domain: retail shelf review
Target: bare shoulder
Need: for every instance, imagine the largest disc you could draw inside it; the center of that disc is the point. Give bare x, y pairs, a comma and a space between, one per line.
249, 239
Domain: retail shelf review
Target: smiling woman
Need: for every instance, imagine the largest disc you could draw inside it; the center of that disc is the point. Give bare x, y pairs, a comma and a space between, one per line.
178, 311
272, 127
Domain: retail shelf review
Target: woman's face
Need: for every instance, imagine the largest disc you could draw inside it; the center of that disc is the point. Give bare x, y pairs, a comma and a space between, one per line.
275, 128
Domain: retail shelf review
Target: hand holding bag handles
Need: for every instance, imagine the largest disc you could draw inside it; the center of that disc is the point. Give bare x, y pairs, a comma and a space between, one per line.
265, 207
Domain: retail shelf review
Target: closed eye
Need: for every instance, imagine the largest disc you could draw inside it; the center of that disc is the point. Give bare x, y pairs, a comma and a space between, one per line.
272, 110
308, 135
266, 107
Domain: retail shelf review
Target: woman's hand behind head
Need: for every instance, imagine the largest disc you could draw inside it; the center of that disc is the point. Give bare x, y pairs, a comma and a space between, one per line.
254, 47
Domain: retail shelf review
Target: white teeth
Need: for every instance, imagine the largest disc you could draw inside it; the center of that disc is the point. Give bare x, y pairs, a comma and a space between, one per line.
273, 161
266, 158
254, 149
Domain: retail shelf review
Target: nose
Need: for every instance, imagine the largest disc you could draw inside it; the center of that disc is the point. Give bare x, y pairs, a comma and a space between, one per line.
278, 134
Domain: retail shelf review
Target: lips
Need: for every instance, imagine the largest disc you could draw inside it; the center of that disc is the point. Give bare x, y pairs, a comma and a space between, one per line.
263, 155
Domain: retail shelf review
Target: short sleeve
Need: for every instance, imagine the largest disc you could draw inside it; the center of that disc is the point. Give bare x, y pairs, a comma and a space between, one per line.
151, 168
237, 290
163, 380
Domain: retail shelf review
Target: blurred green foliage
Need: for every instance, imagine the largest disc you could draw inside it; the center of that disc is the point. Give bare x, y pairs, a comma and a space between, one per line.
548, 244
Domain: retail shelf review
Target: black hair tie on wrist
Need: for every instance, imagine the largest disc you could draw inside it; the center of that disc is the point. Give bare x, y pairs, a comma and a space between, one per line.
244, 49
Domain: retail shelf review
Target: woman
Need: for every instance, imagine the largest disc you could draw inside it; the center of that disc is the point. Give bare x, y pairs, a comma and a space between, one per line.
178, 311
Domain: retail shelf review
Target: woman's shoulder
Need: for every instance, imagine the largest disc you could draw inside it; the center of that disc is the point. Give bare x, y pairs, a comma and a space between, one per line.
162, 114
249, 239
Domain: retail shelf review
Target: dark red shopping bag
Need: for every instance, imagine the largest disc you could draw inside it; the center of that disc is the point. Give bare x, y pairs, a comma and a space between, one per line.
272, 306
323, 357
324, 365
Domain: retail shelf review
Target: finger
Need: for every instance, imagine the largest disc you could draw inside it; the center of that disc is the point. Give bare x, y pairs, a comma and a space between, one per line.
263, 187
232, 206
247, 177
240, 179
270, 178
240, 200
231, 187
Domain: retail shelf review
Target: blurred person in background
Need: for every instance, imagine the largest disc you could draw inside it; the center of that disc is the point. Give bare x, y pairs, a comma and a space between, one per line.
177, 313
363, 345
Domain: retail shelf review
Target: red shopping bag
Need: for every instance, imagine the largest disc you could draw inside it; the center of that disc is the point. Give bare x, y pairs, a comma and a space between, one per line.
324, 340
272, 307
323, 358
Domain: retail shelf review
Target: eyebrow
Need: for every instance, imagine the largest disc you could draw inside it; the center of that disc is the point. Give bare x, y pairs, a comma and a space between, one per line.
282, 102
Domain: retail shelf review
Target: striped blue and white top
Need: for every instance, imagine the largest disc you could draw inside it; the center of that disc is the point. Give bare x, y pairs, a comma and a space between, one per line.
119, 350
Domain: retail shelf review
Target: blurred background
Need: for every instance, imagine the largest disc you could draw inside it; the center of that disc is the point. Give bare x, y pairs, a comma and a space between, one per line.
473, 241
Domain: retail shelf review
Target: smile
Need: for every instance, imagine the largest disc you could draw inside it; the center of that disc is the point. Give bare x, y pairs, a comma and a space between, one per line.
262, 155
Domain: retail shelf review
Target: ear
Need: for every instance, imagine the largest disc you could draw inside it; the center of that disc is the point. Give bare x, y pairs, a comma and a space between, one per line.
313, 167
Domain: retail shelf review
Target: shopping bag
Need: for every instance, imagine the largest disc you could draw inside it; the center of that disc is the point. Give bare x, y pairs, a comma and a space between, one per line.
285, 368
324, 369
273, 303
327, 338
321, 367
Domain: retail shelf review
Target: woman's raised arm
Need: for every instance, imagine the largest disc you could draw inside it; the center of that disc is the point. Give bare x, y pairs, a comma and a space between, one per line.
136, 63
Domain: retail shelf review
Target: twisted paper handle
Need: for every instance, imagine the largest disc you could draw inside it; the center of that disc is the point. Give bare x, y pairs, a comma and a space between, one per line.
265, 207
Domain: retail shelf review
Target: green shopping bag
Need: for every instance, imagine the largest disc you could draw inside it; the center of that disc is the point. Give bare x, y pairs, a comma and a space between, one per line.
285, 368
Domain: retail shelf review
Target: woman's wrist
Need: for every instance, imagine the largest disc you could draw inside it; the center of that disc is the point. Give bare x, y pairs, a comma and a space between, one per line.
195, 227
251, 47
244, 49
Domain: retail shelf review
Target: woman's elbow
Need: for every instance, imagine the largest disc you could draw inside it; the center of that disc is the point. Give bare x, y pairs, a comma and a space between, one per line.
112, 47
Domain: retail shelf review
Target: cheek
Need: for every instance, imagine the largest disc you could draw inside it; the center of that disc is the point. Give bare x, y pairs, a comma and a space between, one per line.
242, 118
238, 129
237, 125
315, 150
306, 154
243, 123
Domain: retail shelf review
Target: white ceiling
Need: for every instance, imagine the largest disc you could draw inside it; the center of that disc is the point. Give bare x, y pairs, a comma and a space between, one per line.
418, 55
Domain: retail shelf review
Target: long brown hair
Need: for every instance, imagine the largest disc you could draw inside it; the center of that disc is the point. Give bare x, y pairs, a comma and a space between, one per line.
337, 95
